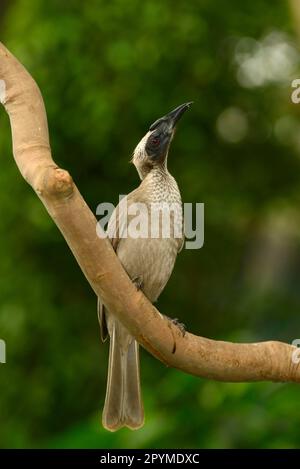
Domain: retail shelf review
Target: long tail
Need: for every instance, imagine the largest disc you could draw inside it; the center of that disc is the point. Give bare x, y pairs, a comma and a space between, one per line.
123, 405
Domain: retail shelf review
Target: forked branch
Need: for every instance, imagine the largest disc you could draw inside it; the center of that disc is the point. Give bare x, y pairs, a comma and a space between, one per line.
199, 356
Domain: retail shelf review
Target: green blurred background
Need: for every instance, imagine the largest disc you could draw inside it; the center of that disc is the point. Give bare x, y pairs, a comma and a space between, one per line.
107, 70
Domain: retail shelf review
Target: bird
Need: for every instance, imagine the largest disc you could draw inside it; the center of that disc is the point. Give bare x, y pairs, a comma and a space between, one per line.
148, 260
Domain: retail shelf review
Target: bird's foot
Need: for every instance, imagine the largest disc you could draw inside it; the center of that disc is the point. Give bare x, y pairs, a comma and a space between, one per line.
179, 324
138, 282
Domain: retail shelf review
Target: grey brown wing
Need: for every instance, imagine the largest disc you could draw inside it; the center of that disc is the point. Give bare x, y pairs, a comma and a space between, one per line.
115, 228
102, 320
118, 223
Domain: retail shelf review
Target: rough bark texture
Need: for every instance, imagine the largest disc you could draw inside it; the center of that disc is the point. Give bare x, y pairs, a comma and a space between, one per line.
192, 354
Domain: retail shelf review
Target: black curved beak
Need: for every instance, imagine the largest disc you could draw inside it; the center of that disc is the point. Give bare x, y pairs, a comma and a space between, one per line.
172, 117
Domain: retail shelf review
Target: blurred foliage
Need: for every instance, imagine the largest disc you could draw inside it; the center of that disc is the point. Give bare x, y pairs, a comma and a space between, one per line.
107, 70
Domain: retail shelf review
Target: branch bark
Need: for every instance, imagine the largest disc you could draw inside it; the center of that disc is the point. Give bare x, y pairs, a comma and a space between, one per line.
224, 361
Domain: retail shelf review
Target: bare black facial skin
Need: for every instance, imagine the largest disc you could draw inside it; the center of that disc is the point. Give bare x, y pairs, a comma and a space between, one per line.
158, 142
162, 132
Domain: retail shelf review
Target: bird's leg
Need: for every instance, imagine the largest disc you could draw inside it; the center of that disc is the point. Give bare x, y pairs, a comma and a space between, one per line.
138, 282
177, 323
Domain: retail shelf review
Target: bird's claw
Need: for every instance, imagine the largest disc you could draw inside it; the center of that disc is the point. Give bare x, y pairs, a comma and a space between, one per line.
180, 326
138, 282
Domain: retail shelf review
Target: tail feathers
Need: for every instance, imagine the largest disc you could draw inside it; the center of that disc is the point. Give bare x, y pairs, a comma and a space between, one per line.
133, 411
123, 405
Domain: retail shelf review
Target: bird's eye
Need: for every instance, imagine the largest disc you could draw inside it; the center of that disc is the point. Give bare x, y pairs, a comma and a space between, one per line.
155, 141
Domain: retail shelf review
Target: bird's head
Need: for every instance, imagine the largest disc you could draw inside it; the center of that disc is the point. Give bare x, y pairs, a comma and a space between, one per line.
152, 150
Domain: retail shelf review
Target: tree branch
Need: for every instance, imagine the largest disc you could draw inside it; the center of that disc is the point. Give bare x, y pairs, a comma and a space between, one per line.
199, 356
